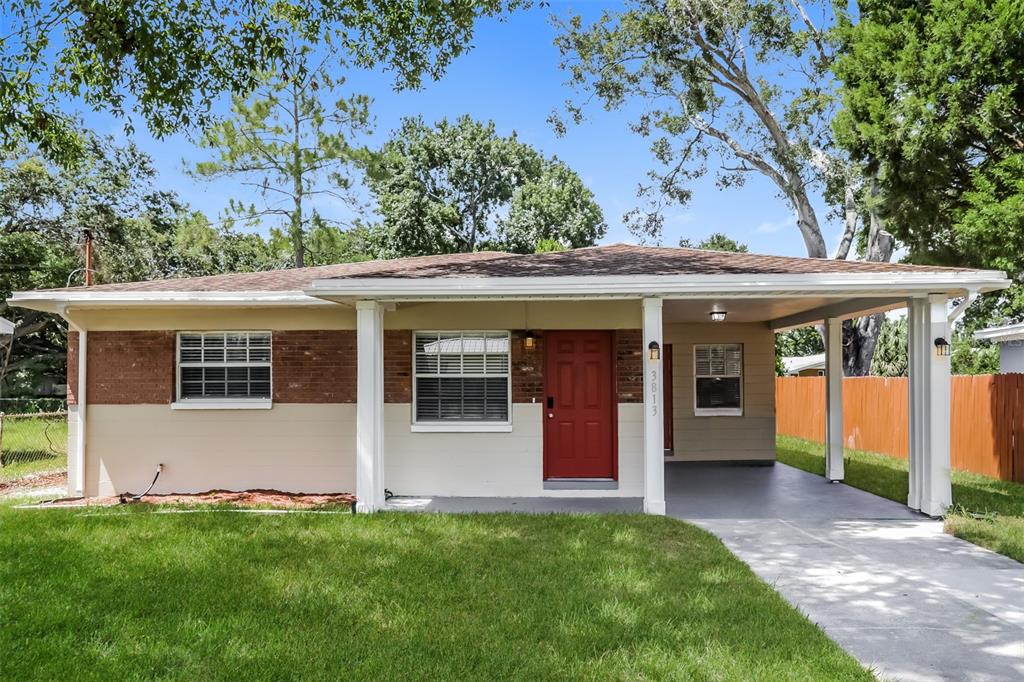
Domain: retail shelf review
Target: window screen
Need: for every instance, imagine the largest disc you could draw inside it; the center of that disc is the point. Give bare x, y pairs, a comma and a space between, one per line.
223, 365
461, 377
718, 377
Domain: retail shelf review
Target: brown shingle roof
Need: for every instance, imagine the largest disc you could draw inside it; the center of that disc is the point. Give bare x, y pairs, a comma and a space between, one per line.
615, 259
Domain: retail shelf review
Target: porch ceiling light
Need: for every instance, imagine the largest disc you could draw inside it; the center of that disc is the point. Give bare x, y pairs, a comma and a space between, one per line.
654, 350
718, 315
942, 347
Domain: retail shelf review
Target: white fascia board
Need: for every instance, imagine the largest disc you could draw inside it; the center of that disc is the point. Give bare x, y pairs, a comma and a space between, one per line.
736, 286
57, 301
1012, 332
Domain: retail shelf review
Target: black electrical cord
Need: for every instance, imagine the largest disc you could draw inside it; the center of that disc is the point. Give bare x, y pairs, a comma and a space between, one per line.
125, 498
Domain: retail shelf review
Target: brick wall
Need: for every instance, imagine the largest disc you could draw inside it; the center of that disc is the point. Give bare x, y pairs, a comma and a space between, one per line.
629, 365
317, 366
130, 368
397, 366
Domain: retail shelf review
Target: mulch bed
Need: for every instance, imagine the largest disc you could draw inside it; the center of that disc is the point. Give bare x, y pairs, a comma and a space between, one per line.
247, 498
30, 482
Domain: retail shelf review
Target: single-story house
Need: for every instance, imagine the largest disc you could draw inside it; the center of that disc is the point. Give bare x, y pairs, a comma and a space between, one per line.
575, 373
1011, 345
805, 365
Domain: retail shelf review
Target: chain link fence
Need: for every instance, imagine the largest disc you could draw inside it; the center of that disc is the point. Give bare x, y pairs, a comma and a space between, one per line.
33, 439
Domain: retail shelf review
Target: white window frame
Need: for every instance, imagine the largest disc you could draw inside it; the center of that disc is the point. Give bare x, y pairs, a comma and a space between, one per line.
718, 411
221, 403
461, 426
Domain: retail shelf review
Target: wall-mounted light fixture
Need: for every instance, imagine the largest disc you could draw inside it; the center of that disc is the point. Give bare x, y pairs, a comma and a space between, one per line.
530, 340
654, 350
718, 315
942, 347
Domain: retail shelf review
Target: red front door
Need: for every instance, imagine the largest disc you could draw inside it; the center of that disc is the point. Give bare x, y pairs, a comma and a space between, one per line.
579, 407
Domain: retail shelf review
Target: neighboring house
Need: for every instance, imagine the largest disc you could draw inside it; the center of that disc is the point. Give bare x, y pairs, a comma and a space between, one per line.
805, 366
575, 373
1011, 345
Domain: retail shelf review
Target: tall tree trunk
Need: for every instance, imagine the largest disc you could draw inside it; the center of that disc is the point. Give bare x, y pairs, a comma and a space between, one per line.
298, 244
861, 335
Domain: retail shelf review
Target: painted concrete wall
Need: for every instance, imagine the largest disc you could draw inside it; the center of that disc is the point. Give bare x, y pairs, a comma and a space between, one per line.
293, 447
747, 437
495, 464
1011, 357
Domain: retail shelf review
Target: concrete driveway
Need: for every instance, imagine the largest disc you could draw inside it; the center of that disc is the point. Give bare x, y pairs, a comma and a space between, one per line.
885, 583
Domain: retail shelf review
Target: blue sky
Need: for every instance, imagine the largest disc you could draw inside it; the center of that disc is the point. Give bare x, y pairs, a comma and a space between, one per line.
511, 76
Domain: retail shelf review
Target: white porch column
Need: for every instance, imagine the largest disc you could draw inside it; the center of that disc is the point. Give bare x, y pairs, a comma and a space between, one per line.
654, 424
76, 419
834, 399
369, 406
930, 489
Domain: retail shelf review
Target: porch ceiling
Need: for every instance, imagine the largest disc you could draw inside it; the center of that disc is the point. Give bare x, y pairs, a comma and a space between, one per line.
778, 312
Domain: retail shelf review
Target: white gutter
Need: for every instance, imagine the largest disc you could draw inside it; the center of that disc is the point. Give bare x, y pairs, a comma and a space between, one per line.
970, 298
888, 284
1011, 332
58, 300
80, 408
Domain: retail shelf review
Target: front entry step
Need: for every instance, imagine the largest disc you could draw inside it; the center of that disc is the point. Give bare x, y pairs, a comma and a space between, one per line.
581, 484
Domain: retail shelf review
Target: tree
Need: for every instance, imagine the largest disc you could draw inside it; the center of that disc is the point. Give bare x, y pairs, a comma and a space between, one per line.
460, 187
45, 210
139, 233
290, 145
716, 241
796, 343
746, 84
933, 106
891, 351
167, 62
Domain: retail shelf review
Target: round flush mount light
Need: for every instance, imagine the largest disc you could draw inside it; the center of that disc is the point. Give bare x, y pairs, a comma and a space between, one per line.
718, 315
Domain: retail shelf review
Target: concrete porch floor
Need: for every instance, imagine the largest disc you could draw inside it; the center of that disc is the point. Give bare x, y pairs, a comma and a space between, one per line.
885, 583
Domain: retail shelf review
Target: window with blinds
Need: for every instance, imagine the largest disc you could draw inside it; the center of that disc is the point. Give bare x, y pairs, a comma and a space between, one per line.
718, 379
461, 377
224, 366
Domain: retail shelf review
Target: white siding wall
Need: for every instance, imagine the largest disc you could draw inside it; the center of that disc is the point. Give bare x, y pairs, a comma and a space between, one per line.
749, 437
495, 464
292, 447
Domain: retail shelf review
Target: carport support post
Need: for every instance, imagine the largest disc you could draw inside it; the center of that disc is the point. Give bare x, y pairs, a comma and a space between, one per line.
930, 488
654, 424
369, 406
834, 399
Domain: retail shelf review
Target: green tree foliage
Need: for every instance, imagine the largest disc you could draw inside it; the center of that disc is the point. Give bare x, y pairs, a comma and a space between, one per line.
139, 233
933, 105
716, 241
891, 350
460, 186
738, 87
796, 343
168, 61
291, 142
969, 356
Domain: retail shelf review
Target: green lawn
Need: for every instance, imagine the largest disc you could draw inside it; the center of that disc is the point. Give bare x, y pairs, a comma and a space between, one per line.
127, 593
29, 446
987, 511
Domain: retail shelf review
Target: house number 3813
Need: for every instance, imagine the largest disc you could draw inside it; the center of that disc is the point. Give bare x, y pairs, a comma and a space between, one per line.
653, 383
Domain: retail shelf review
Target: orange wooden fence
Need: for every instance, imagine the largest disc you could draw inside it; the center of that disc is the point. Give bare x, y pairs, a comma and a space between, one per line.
986, 420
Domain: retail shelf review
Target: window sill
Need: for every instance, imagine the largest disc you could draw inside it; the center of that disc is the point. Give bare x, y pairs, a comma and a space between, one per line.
718, 412
222, 405
461, 427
